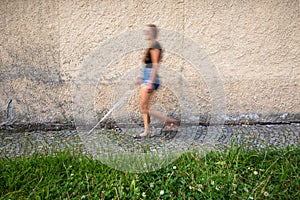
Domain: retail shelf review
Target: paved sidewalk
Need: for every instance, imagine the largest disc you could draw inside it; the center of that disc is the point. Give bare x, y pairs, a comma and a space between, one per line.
253, 136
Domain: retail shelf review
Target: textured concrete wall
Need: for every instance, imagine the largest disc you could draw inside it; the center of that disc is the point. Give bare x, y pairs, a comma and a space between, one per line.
255, 45
30, 61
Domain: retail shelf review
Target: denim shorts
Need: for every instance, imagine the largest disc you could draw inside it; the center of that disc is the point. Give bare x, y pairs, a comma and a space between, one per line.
146, 78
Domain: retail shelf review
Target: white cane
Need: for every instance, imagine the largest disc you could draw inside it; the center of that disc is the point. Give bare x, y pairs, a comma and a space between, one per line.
121, 100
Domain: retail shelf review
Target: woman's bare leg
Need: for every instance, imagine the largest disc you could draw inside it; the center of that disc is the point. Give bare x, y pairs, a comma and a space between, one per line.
146, 112
145, 99
161, 116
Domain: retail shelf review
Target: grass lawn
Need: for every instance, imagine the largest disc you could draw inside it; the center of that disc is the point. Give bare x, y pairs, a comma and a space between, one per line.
235, 173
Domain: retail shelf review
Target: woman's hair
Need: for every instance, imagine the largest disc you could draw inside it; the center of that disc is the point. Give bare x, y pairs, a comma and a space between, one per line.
154, 30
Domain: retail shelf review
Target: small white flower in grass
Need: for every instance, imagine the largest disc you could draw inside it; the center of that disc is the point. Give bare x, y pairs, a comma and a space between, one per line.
234, 186
201, 186
72, 174
212, 182
144, 194
152, 185
217, 188
251, 197
162, 192
255, 172
266, 194
174, 167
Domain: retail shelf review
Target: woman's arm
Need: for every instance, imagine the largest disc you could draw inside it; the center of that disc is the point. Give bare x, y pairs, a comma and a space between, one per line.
155, 61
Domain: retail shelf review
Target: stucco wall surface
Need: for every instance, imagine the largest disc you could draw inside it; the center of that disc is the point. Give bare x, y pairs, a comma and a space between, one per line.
254, 46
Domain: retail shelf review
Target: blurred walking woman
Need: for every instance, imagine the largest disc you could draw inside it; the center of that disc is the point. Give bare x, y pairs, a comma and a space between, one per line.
150, 80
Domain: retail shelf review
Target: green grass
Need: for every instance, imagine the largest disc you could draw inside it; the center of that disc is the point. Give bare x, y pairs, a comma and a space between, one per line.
235, 173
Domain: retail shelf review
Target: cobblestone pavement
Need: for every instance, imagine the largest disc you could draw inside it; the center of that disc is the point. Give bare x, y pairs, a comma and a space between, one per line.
190, 137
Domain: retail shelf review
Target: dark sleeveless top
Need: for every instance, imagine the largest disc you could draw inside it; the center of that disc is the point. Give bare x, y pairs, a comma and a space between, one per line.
147, 57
